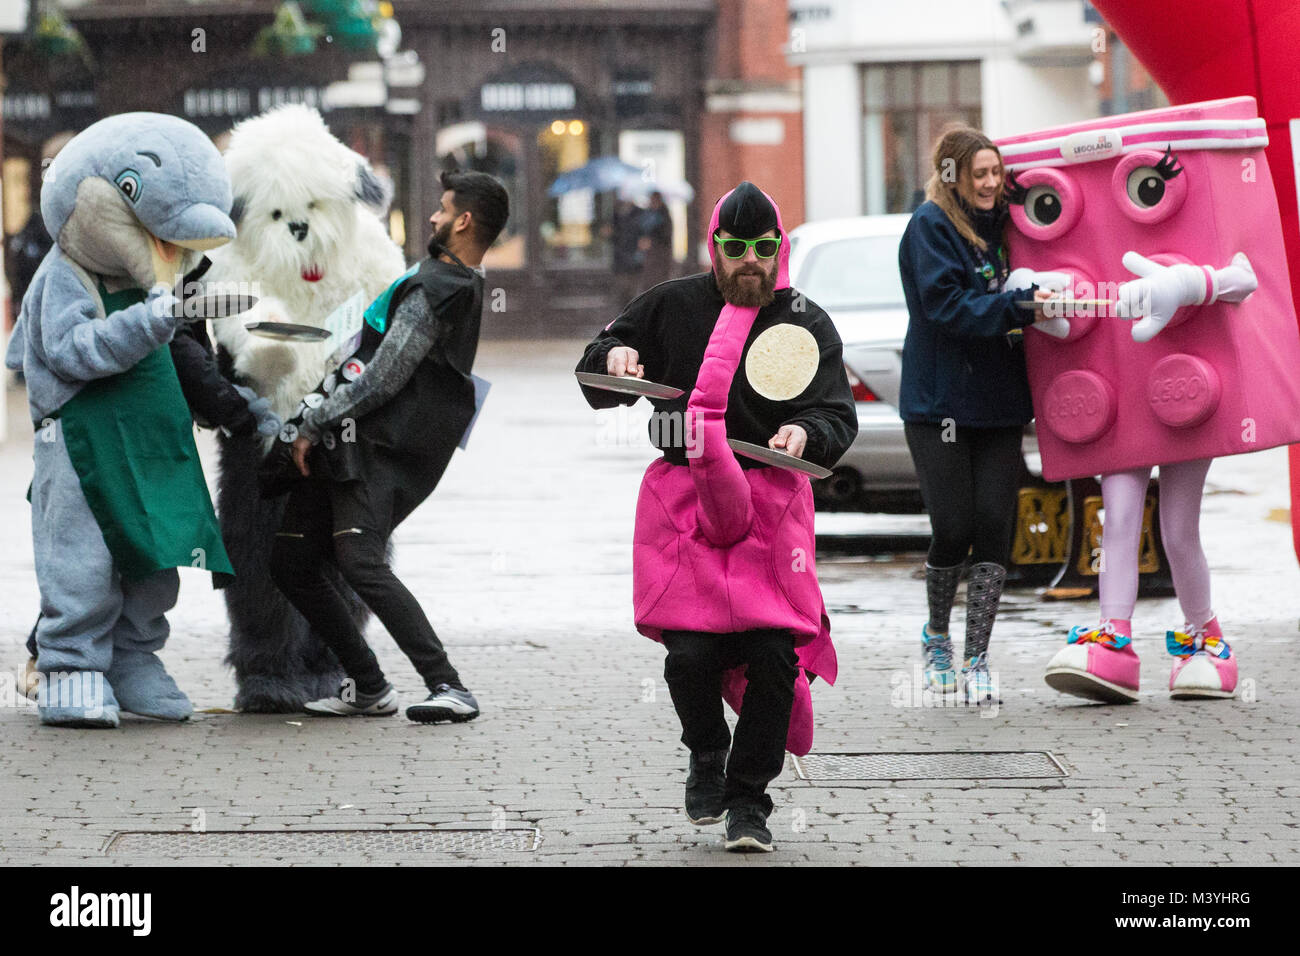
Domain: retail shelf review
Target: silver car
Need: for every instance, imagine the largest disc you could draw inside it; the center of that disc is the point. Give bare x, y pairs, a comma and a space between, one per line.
849, 267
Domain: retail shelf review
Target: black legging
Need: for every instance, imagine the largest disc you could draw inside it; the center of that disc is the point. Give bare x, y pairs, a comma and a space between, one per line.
969, 484
307, 539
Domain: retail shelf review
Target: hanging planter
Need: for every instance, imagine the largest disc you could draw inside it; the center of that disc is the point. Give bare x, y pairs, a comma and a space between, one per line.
353, 24
54, 36
290, 33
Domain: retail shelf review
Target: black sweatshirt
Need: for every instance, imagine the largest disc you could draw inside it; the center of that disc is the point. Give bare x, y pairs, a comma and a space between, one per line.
212, 399
211, 396
669, 326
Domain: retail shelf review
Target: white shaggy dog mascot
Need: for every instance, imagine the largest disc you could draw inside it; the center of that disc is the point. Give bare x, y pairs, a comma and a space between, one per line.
307, 210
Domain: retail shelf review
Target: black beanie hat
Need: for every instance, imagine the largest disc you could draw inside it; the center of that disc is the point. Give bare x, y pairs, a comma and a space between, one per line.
747, 213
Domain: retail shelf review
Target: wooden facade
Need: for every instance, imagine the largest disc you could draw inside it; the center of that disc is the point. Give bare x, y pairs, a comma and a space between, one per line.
502, 71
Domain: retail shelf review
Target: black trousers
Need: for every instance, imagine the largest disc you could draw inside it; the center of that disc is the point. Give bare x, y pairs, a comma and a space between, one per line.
694, 670
969, 485
326, 522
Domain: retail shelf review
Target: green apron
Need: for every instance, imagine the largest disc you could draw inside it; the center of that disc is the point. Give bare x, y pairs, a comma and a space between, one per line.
131, 441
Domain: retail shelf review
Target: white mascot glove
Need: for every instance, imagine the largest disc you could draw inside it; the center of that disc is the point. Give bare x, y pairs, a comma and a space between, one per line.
1163, 290
1023, 278
1236, 281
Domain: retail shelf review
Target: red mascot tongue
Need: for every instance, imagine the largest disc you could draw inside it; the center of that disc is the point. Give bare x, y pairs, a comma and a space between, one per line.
313, 273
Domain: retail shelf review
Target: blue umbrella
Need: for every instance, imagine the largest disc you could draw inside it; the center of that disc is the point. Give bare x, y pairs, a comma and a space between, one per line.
600, 175
639, 189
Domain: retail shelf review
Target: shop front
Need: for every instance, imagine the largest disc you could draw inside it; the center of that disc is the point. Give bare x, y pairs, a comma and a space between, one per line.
548, 99
198, 64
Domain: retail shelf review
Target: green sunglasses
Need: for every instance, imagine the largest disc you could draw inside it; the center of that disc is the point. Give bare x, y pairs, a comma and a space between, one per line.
764, 248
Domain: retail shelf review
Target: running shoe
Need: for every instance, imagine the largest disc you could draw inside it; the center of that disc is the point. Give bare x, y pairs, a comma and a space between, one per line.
940, 674
980, 686
705, 784
353, 703
446, 703
747, 830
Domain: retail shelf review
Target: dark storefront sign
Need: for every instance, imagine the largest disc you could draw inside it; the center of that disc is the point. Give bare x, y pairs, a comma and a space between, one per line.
632, 92
526, 95
235, 102
37, 114
24, 107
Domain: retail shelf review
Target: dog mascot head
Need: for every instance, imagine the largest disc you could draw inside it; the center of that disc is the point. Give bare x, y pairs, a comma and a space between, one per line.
310, 238
298, 191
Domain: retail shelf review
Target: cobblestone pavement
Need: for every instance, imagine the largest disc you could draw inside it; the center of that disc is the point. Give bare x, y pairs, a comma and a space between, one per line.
523, 560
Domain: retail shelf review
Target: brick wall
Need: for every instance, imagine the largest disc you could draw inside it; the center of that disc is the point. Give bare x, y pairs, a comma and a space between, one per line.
753, 125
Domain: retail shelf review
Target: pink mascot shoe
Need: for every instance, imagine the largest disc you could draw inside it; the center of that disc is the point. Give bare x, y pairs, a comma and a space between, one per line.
1206, 665
1097, 663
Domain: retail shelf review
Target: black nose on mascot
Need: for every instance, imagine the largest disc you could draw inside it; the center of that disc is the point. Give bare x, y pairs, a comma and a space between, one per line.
299, 230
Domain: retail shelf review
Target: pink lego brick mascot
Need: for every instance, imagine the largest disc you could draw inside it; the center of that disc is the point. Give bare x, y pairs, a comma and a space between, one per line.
1169, 215
723, 549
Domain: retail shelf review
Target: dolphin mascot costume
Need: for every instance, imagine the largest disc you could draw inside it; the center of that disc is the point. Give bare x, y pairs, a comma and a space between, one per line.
118, 496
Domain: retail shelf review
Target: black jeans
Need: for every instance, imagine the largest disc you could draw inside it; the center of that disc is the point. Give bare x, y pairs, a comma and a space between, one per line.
694, 675
324, 522
969, 486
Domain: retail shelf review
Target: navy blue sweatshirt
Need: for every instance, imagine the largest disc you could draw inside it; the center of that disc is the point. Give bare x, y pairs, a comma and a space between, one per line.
959, 362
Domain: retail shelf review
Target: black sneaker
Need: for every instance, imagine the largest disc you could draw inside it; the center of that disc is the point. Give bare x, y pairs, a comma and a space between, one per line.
747, 830
445, 703
705, 784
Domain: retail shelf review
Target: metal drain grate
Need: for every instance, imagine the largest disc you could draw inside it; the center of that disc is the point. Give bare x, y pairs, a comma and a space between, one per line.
950, 765
278, 843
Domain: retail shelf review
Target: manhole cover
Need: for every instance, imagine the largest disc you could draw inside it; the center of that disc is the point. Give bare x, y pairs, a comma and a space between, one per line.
985, 765
182, 843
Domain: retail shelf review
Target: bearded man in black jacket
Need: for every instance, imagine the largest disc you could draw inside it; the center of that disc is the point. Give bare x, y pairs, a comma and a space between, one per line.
371, 445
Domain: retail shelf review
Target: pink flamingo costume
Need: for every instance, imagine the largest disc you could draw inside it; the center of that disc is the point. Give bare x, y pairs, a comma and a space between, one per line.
716, 547
723, 552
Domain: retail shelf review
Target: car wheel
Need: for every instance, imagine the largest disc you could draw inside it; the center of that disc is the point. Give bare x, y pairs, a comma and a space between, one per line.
839, 492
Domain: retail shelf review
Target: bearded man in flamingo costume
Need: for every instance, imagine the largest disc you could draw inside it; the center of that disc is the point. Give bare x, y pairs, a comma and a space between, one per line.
723, 552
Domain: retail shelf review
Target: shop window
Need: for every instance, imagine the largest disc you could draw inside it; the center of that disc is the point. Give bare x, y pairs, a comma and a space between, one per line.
18, 200
570, 224
498, 152
661, 155
906, 107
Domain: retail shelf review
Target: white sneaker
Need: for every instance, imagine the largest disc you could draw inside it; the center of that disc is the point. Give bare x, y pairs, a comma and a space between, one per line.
981, 688
383, 704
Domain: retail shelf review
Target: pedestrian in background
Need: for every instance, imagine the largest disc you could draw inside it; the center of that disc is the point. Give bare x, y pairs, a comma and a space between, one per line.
625, 237
656, 242
964, 395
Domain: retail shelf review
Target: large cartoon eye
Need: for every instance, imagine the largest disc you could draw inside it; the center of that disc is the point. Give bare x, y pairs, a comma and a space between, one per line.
1042, 205
1045, 203
1149, 186
1146, 187
128, 180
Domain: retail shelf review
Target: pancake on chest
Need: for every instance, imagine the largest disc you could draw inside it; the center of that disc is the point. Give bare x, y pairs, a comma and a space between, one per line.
782, 362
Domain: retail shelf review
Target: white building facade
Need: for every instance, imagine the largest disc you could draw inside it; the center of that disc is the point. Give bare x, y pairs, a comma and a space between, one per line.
882, 77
